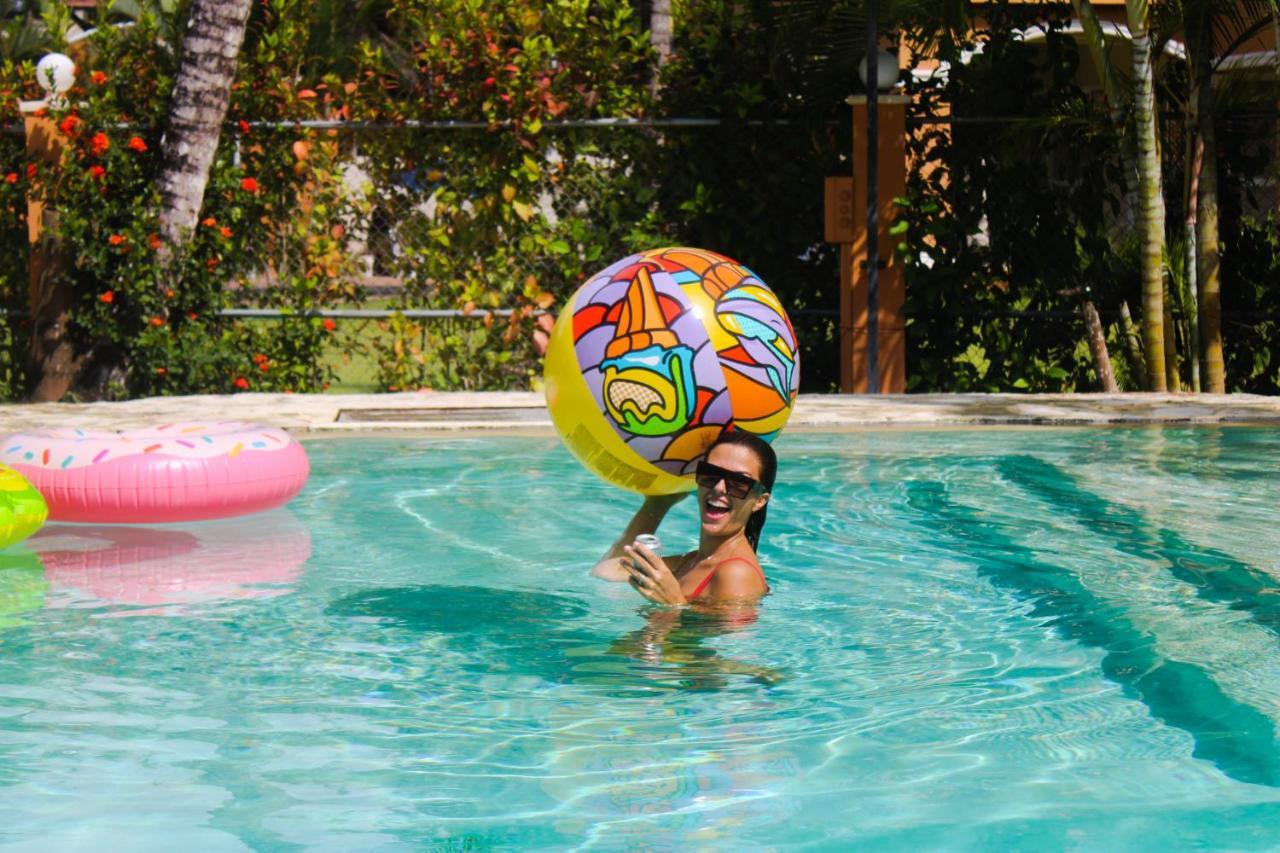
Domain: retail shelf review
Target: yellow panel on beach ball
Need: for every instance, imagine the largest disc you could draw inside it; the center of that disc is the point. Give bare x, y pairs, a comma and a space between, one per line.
657, 355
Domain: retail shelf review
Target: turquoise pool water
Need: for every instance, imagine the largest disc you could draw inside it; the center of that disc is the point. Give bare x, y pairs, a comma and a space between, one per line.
1031, 639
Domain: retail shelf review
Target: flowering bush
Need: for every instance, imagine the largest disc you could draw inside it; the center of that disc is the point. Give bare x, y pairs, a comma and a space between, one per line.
14, 281
282, 209
270, 229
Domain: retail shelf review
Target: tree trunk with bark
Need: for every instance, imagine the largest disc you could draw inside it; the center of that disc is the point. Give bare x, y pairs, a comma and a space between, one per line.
1098, 346
1113, 90
1209, 287
1195, 155
1151, 216
201, 93
660, 36
1134, 346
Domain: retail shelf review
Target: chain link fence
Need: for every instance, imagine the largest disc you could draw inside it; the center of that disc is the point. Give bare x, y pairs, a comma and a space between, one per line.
458, 235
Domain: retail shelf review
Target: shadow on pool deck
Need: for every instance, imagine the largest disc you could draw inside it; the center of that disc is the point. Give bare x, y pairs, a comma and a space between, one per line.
525, 412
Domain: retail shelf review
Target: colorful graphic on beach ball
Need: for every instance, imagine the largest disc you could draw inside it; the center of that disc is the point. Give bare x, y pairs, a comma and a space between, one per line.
658, 354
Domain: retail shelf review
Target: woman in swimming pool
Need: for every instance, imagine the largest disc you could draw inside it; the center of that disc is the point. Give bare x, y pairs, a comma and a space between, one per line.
734, 480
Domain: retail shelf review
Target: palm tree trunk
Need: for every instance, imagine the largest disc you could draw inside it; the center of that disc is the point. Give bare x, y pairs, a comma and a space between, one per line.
1133, 345
201, 93
1191, 302
1172, 377
660, 36
1098, 346
1095, 41
1151, 212
1209, 295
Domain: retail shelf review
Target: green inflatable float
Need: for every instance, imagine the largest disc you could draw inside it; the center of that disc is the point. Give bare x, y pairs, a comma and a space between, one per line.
22, 510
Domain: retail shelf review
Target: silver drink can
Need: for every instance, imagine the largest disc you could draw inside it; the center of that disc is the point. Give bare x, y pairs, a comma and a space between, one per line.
648, 540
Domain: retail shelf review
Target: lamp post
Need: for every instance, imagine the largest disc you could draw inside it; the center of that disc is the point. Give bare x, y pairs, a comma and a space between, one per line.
874, 75
872, 80
53, 359
872, 292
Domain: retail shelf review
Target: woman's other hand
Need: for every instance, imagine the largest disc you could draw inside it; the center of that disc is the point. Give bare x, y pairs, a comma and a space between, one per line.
650, 576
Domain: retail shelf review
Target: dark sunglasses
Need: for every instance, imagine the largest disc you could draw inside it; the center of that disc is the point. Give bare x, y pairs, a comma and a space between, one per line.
736, 485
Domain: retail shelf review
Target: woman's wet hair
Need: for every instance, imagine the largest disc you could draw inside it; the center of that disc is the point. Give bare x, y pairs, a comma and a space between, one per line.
768, 473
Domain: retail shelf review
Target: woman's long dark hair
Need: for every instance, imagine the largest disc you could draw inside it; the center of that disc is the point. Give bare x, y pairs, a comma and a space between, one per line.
768, 473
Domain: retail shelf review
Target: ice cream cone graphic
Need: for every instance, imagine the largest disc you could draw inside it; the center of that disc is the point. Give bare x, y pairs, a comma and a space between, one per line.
648, 374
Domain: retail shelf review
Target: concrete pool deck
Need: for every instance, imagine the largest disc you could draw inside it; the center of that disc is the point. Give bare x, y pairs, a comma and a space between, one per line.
444, 412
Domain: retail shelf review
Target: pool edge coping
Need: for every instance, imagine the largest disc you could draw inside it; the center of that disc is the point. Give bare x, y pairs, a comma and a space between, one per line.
330, 414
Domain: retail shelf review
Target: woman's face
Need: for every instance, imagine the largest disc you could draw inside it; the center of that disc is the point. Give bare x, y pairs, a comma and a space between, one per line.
722, 514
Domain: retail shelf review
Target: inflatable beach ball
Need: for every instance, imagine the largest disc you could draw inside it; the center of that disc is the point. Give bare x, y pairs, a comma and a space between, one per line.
653, 357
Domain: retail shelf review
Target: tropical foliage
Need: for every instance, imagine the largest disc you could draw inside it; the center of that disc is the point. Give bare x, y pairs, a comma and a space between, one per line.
439, 143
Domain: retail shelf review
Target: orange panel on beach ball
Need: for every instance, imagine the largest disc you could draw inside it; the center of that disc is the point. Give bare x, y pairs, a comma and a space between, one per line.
655, 356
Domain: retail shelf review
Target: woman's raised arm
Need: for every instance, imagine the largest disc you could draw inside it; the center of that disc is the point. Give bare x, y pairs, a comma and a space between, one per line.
646, 520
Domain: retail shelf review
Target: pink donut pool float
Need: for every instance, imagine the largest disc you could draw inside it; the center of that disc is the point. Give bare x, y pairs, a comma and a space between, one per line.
173, 472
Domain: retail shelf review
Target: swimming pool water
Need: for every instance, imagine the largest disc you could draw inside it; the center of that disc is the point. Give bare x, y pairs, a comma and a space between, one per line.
1030, 639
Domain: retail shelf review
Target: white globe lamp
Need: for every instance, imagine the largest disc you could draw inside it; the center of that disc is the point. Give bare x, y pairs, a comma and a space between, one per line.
886, 70
56, 73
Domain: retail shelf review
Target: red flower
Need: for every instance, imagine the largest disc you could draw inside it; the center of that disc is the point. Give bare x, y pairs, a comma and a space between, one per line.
329, 325
98, 144
98, 78
32, 168
264, 366
108, 297
241, 383
156, 321
136, 144
249, 185
68, 124
170, 293
154, 241
244, 127
209, 222
225, 231
97, 172
161, 371
11, 178
212, 264
116, 239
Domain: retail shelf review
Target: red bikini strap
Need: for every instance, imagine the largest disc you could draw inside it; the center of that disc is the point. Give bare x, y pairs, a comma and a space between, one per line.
707, 580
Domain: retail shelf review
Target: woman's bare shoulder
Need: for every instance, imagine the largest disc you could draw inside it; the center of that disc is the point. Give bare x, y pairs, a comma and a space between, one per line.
737, 576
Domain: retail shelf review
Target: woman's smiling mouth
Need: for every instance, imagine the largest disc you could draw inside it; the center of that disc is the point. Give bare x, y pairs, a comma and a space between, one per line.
715, 508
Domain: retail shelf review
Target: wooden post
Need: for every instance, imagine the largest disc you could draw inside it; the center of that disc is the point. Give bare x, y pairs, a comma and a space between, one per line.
838, 228
53, 359
892, 327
